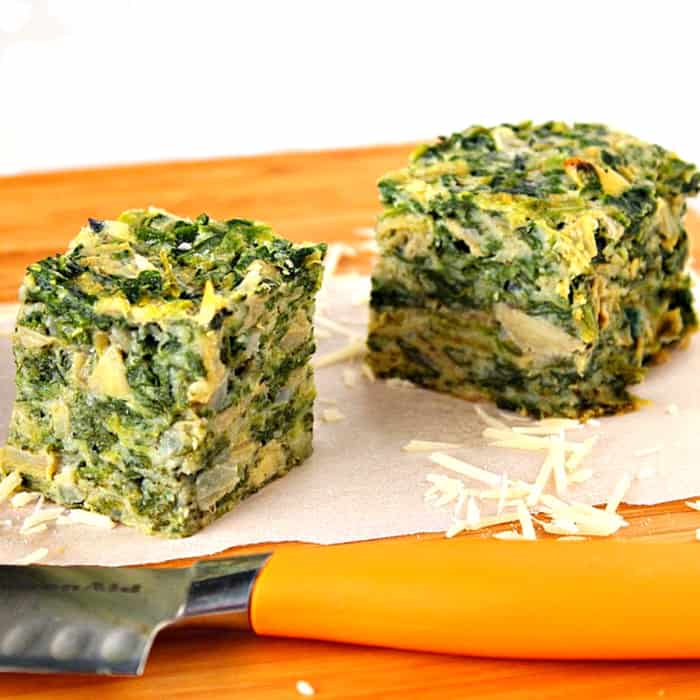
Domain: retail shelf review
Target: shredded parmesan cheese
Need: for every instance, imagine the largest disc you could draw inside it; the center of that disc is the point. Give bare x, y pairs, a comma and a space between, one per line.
349, 377
457, 465
695, 505
42, 516
352, 350
41, 527
489, 419
335, 327
459, 506
9, 485
618, 493
528, 530
572, 538
509, 536
428, 446
332, 415
24, 498
514, 491
455, 529
33, 557
367, 372
540, 481
444, 489
513, 417
507, 438
561, 526
398, 383
588, 520
473, 513
672, 409
78, 516
559, 423
584, 449
547, 426
534, 430
39, 504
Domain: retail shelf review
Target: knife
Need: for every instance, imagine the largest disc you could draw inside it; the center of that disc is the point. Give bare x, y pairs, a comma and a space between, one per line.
545, 599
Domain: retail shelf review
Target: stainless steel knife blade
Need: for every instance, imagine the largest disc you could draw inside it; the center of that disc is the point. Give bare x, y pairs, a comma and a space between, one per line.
85, 619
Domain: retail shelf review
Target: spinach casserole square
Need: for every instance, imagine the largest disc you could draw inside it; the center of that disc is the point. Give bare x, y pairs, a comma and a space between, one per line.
539, 266
163, 368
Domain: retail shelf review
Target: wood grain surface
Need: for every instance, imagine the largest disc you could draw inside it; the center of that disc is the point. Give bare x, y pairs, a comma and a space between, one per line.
315, 196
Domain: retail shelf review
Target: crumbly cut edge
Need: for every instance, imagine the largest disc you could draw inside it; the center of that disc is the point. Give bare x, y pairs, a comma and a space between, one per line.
261, 472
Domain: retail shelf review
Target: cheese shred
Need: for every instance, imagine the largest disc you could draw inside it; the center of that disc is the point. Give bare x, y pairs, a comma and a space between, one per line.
490, 420
355, 348
41, 516
23, 498
332, 415
367, 372
526, 526
473, 516
349, 377
331, 325
509, 536
78, 516
33, 557
618, 493
9, 485
540, 481
41, 527
469, 470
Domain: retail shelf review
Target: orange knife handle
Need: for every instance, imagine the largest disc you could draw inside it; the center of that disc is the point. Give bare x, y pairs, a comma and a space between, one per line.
547, 599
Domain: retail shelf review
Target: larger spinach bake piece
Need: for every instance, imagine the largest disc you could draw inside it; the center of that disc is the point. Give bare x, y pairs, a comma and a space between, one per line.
541, 266
163, 368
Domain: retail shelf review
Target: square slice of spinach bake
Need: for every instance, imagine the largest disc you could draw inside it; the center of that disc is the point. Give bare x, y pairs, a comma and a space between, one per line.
540, 266
163, 368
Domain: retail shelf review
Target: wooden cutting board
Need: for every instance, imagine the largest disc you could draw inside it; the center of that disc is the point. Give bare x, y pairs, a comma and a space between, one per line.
314, 196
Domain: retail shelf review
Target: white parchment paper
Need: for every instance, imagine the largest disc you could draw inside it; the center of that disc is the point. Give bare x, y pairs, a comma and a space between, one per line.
360, 485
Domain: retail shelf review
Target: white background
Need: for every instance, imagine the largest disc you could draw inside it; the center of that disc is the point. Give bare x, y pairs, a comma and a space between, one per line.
109, 81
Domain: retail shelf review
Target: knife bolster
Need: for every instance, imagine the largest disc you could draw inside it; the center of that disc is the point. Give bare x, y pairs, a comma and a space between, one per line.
223, 586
